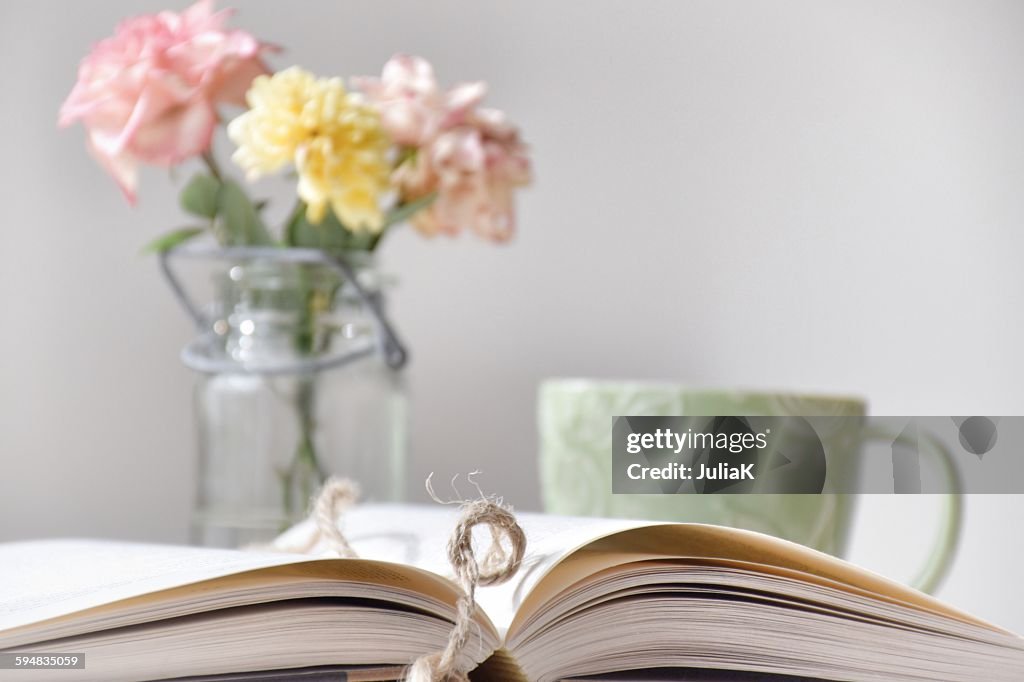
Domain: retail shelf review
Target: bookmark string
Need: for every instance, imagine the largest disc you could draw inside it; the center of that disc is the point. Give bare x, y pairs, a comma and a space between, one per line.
496, 566
335, 497
501, 560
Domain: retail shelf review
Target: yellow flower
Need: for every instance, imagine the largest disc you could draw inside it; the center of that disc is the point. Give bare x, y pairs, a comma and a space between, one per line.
331, 136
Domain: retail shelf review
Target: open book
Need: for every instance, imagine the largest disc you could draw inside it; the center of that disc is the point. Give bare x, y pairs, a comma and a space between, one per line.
594, 600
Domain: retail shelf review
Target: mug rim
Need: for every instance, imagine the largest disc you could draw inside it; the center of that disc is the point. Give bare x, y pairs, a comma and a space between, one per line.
578, 384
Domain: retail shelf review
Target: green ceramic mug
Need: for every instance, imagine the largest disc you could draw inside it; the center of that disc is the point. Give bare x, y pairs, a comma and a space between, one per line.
574, 418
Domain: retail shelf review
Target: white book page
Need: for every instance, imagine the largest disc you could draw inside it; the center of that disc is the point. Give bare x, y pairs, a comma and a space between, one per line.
44, 579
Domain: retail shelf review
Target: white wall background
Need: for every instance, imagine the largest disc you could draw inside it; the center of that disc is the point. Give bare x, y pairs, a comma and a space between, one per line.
788, 194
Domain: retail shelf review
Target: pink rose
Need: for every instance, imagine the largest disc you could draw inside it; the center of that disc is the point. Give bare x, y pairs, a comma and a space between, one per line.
149, 94
412, 108
471, 157
475, 169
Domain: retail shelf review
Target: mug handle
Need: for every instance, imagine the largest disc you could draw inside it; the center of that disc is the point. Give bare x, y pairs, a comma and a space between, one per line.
940, 560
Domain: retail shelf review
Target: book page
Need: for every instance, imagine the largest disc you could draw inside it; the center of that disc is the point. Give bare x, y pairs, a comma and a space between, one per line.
659, 540
44, 579
48, 579
57, 588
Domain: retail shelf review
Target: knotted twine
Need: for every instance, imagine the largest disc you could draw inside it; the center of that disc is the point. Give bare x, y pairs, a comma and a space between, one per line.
334, 498
496, 567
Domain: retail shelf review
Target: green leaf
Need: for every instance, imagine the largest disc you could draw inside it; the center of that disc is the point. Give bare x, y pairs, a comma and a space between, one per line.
239, 220
403, 212
199, 196
328, 235
332, 235
172, 239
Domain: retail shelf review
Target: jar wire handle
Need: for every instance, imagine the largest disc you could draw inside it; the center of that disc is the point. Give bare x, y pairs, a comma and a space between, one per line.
395, 353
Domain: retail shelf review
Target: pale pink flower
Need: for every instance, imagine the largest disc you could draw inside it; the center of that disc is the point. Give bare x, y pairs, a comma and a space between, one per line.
149, 93
412, 108
471, 157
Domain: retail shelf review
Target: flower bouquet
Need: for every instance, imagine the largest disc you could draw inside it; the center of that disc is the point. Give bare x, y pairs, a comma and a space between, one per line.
365, 157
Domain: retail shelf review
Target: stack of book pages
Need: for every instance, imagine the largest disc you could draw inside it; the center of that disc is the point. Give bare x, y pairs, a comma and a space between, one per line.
594, 600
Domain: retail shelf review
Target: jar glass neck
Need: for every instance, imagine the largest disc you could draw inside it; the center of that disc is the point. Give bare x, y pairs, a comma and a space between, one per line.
269, 311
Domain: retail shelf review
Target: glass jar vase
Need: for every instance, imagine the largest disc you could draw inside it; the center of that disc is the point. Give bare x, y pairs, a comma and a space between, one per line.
294, 386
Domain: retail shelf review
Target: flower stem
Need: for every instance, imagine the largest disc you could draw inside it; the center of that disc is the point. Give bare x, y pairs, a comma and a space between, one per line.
306, 473
212, 165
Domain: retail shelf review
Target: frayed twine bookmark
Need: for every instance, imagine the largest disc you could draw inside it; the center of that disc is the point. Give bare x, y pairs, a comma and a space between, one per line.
497, 566
335, 497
